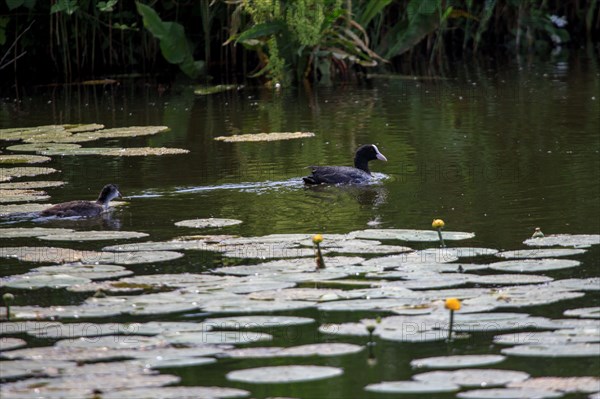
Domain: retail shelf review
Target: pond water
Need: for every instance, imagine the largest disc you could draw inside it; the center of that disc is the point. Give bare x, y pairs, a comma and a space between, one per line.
497, 151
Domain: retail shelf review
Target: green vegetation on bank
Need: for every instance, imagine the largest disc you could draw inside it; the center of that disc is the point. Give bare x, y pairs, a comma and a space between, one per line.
275, 41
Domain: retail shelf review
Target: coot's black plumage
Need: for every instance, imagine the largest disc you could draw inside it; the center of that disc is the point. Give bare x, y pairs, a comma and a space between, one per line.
360, 173
84, 208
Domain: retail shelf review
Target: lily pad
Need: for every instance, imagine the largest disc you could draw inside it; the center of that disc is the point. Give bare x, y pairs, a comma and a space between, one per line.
207, 223
591, 312
90, 127
18, 232
410, 235
30, 368
564, 240
92, 235
207, 90
264, 137
509, 393
178, 392
92, 272
50, 148
15, 209
533, 265
561, 384
36, 281
539, 350
117, 152
283, 374
28, 185
473, 377
214, 337
246, 322
12, 159
540, 253
414, 387
240, 305
510, 279
450, 362
558, 337
321, 349
22, 196
9, 344
7, 174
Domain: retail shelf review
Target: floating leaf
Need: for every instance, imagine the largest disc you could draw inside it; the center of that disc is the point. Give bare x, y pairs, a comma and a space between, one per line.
283, 374
264, 137
410, 235
564, 240
30, 368
559, 337
592, 312
12, 159
540, 253
18, 232
178, 392
247, 322
450, 362
10, 173
9, 344
533, 265
27, 185
240, 305
473, 377
15, 209
92, 272
36, 281
561, 384
511, 279
20, 195
207, 223
92, 235
540, 350
50, 148
508, 393
214, 337
207, 90
415, 387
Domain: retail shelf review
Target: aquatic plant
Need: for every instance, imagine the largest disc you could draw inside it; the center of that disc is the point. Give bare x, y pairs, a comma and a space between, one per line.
439, 225
8, 298
452, 304
317, 240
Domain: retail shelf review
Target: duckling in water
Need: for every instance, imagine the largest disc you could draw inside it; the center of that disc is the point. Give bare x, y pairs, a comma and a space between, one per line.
85, 208
360, 173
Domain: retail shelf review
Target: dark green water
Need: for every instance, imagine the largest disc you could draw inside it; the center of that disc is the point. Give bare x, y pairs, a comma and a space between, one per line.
496, 152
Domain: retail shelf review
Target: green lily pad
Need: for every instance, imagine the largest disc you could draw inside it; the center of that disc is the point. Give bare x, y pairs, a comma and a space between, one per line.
178, 392
508, 393
591, 312
18, 232
283, 374
7, 174
533, 265
473, 377
410, 235
577, 284
321, 349
92, 235
196, 245
117, 152
28, 185
36, 281
540, 253
246, 322
510, 279
50, 148
174, 363
12, 159
264, 137
564, 240
207, 223
207, 90
558, 337
305, 294
450, 362
561, 384
414, 387
214, 337
30, 368
15, 209
21, 133
9, 344
240, 305
92, 272
539, 350
288, 266
90, 127
22, 195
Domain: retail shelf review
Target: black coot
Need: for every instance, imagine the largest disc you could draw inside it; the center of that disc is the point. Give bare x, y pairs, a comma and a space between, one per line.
360, 173
84, 208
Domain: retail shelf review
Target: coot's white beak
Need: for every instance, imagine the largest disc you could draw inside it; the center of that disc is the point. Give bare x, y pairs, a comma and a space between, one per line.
379, 155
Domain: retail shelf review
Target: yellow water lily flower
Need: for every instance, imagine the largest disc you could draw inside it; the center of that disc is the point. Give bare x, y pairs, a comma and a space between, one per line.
317, 238
453, 304
438, 223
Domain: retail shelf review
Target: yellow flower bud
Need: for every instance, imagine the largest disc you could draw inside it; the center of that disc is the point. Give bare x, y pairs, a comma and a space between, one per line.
453, 304
437, 223
317, 238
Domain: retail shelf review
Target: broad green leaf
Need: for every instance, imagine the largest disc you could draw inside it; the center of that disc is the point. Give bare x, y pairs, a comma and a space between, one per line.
261, 30
12, 4
373, 8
